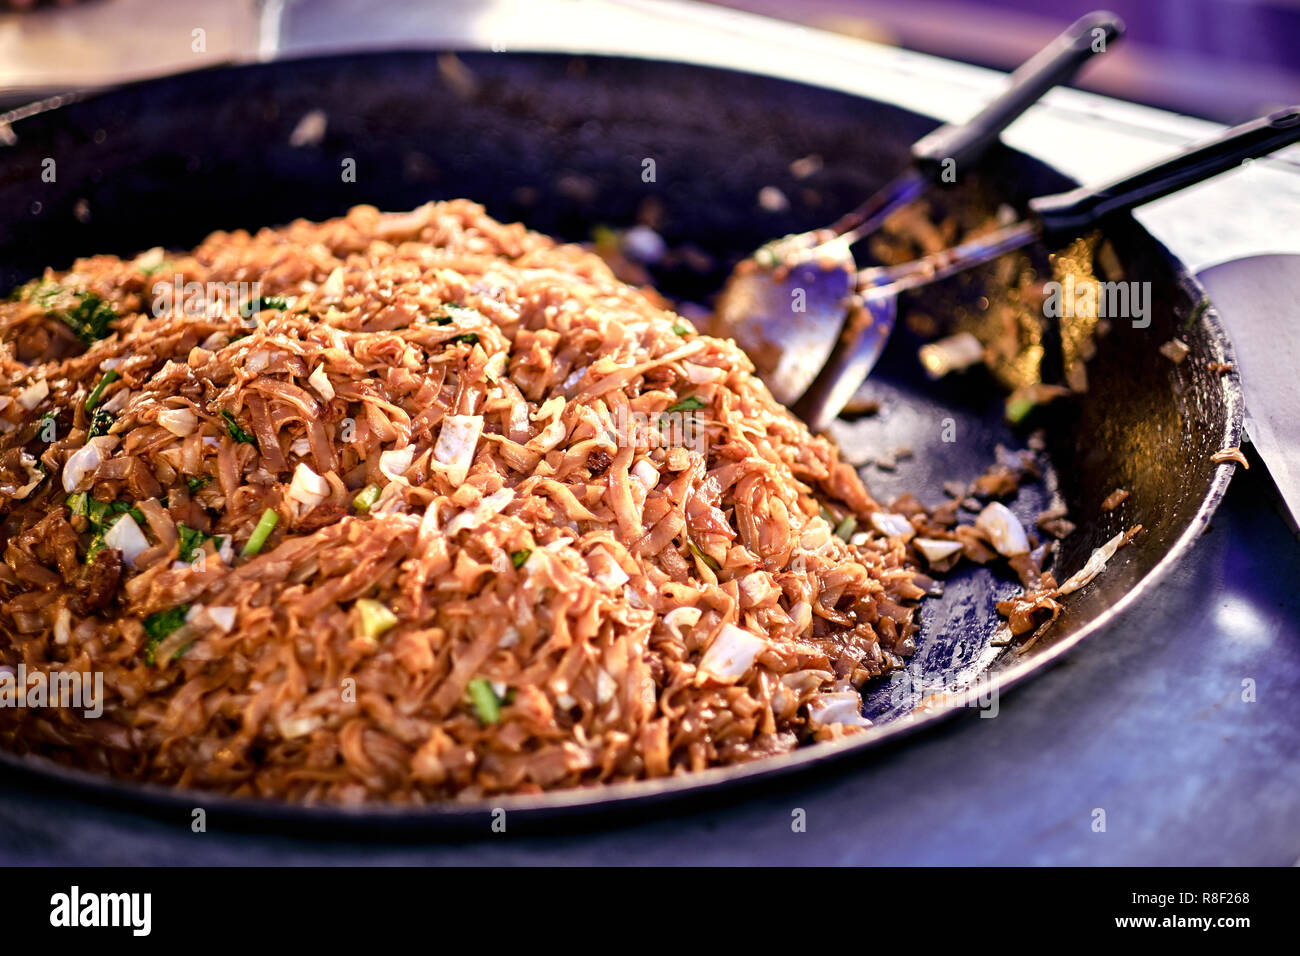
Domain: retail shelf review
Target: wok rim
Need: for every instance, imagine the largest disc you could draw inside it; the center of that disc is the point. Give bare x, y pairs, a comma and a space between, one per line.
618, 798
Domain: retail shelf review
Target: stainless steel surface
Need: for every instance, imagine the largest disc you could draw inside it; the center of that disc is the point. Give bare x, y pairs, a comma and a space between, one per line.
788, 318
1259, 298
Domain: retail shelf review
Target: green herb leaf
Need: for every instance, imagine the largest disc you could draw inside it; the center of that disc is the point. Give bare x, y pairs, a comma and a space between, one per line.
197, 482
191, 542
451, 312
469, 338
237, 433
486, 705
691, 403
101, 420
519, 558
86, 313
98, 511
682, 329
125, 507
262, 304
159, 626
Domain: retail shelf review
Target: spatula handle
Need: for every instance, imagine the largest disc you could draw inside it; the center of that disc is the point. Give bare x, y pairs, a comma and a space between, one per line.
1055, 64
1066, 215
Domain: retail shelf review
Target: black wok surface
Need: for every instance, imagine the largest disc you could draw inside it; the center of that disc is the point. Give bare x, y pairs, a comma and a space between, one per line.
560, 143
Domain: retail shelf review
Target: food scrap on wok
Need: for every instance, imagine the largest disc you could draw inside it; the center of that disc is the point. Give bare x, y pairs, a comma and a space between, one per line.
441, 510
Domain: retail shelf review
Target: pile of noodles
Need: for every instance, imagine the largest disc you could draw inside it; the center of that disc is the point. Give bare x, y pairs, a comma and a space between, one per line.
530, 530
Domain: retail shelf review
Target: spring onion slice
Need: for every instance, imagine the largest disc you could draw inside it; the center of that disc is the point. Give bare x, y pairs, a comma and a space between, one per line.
375, 617
98, 391
366, 497
265, 525
485, 702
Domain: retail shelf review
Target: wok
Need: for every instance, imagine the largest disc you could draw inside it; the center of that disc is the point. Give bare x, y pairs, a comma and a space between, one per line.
560, 143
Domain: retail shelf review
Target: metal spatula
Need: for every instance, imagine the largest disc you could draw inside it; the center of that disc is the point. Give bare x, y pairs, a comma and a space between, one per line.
816, 269
1054, 220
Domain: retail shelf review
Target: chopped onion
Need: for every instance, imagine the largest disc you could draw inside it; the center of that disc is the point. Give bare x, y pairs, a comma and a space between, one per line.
801, 615
393, 464
181, 422
731, 654
1094, 565
332, 288
150, 259
936, 549
950, 354
392, 500
308, 488
300, 726
62, 625
703, 374
126, 536
841, 707
457, 440
321, 382
81, 464
606, 687
117, 401
33, 394
1003, 529
34, 475
680, 617
646, 473
606, 570
222, 617
471, 518
554, 432
892, 525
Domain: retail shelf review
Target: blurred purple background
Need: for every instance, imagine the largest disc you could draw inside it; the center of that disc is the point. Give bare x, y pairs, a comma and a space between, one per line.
1225, 60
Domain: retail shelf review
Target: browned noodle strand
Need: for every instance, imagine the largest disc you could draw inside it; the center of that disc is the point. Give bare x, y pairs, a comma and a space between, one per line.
636, 610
